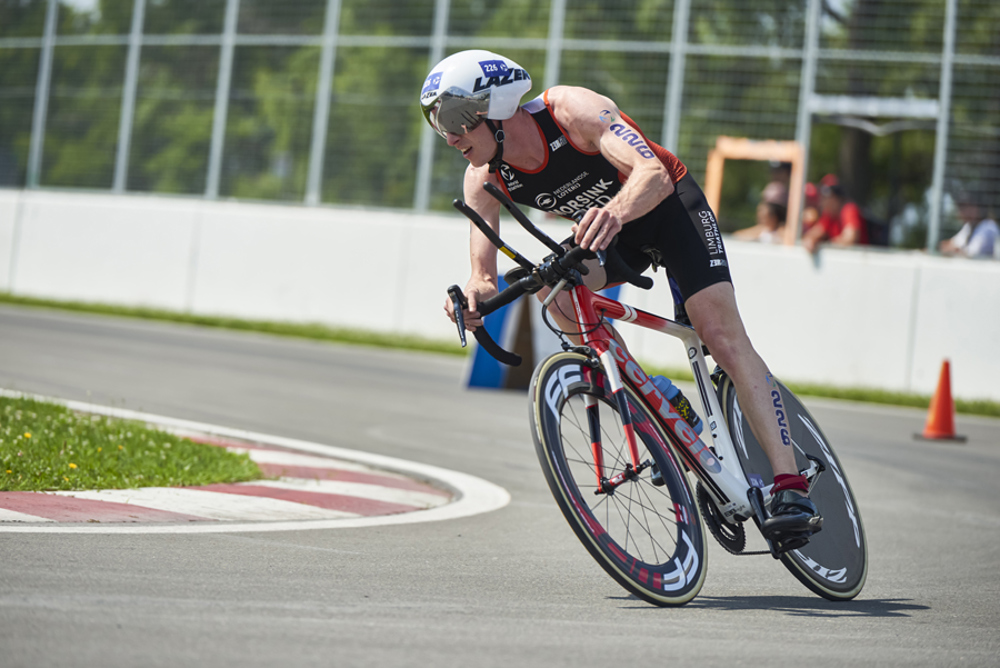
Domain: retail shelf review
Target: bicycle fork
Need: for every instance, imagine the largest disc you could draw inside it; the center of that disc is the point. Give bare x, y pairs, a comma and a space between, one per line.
727, 489
634, 467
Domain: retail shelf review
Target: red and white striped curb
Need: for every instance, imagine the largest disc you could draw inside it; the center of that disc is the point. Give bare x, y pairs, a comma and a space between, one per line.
310, 486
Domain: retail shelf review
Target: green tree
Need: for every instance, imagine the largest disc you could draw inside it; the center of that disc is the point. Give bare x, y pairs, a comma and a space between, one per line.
22, 18
270, 122
172, 128
81, 131
18, 74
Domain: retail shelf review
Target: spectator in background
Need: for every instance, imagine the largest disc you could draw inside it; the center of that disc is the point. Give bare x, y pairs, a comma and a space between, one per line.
840, 221
979, 234
810, 207
781, 172
771, 213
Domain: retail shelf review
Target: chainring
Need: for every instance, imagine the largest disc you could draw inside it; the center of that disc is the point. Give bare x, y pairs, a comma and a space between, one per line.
731, 536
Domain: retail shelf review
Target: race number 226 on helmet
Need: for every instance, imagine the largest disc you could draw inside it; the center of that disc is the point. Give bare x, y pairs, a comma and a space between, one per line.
469, 87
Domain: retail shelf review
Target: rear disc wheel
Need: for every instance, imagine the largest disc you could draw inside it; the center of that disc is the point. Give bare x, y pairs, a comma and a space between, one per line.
834, 563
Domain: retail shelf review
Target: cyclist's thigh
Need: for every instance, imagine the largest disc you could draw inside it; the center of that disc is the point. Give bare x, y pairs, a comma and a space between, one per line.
597, 277
690, 241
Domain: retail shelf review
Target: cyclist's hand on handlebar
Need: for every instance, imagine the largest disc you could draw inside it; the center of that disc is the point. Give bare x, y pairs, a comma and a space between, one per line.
596, 229
474, 292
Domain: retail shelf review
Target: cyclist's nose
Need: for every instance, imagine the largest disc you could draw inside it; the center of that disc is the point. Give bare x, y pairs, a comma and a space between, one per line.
452, 138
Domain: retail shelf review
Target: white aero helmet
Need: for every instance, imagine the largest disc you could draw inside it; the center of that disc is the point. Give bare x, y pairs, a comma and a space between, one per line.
469, 87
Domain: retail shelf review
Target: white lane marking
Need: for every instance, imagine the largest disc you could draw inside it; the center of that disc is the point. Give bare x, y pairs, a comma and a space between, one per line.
14, 516
211, 505
280, 458
358, 489
473, 496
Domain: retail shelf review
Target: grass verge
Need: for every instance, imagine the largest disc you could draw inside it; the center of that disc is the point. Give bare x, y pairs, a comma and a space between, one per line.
45, 446
867, 395
362, 337
314, 331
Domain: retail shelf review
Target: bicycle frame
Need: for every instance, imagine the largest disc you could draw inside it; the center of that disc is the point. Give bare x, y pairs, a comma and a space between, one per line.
717, 467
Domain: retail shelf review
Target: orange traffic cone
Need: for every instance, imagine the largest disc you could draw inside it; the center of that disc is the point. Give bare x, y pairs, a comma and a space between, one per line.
941, 415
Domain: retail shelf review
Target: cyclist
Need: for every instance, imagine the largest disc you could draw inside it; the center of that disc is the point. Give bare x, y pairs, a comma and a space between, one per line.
572, 152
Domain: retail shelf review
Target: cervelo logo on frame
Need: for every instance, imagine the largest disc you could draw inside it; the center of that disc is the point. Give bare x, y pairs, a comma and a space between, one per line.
497, 73
633, 139
681, 428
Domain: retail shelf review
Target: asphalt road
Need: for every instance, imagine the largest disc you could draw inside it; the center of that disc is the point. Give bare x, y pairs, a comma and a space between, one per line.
509, 588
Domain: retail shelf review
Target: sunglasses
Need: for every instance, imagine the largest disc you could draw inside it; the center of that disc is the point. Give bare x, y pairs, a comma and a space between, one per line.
457, 111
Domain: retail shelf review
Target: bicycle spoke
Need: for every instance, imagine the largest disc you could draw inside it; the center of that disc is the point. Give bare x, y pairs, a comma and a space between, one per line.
654, 543
631, 527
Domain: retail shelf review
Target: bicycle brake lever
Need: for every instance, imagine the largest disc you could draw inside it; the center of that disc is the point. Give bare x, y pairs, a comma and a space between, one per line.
602, 257
459, 302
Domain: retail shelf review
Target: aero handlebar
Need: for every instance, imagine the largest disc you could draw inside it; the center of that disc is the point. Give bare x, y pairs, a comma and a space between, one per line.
561, 266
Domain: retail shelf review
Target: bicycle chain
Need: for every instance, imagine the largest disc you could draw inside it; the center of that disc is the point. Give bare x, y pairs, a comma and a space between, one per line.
718, 527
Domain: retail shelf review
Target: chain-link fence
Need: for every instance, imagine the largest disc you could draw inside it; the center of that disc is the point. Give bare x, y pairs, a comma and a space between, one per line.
315, 101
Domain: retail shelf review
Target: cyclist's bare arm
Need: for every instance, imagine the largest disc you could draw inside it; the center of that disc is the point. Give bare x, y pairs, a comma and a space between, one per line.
482, 254
585, 117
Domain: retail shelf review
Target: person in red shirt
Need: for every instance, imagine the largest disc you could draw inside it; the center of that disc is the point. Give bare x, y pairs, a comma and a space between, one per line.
840, 221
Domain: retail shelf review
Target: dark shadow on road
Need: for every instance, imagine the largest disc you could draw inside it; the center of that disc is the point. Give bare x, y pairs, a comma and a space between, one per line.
803, 606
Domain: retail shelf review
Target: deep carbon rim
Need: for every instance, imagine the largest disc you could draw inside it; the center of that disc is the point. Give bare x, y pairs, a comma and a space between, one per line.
647, 537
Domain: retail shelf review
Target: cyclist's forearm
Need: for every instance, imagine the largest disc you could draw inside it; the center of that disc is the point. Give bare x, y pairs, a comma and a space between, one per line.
482, 252
482, 258
642, 193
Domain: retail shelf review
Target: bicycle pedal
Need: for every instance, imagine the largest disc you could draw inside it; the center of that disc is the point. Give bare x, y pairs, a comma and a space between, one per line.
791, 543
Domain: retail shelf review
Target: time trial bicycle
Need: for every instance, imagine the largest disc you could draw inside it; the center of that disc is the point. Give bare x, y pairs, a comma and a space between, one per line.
617, 454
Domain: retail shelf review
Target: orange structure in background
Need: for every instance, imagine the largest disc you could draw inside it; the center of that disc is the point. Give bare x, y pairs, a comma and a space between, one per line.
731, 148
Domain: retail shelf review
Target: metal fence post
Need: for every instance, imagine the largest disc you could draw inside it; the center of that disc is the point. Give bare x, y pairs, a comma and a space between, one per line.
42, 96
425, 161
222, 99
128, 97
807, 86
321, 110
675, 87
943, 124
553, 55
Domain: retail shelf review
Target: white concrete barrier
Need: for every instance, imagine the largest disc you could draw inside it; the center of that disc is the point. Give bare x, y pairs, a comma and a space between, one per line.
849, 317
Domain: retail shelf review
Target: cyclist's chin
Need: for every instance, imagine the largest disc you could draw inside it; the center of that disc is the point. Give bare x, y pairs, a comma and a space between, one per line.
476, 157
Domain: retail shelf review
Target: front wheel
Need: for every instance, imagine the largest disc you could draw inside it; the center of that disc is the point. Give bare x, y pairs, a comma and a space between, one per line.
645, 532
834, 564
